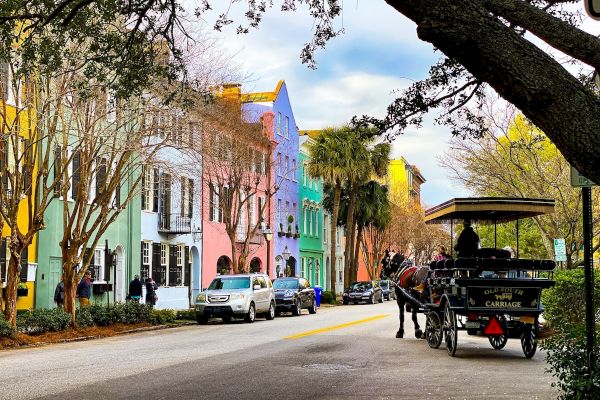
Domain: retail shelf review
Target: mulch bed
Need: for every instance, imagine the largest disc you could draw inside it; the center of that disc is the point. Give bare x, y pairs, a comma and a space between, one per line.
70, 334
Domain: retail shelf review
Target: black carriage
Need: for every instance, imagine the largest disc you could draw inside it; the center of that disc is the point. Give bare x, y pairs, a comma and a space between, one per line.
491, 293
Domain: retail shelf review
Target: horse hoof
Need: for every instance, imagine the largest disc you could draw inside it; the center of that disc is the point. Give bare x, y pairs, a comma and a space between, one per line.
399, 334
418, 334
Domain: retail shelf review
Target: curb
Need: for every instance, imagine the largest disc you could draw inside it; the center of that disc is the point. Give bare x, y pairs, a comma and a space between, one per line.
129, 331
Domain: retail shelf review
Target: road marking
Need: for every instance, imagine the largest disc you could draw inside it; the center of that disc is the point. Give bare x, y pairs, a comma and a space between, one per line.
336, 327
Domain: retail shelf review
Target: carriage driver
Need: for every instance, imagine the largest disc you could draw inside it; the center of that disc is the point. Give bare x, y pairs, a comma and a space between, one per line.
468, 241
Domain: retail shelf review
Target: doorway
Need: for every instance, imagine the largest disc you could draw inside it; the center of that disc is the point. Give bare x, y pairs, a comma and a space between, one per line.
120, 274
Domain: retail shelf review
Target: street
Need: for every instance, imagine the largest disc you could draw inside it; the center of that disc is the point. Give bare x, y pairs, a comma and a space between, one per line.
341, 352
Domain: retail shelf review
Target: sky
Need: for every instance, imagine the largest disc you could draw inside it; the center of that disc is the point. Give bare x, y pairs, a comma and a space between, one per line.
359, 72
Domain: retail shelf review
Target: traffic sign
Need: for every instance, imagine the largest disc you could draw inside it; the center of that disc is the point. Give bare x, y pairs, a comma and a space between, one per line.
593, 8
578, 180
560, 250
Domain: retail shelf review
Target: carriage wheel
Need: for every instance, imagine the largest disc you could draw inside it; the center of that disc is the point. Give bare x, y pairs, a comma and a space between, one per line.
529, 341
450, 330
499, 341
433, 330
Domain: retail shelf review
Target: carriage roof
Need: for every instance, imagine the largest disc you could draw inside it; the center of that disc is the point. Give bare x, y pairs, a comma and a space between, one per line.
488, 209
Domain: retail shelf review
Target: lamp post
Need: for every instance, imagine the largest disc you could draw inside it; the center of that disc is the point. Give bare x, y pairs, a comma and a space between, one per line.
286, 256
268, 234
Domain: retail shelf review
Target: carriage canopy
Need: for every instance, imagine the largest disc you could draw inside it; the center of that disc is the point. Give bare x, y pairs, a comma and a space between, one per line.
488, 209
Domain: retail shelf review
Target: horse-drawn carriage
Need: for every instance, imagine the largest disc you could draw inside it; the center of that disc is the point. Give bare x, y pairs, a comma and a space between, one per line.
489, 292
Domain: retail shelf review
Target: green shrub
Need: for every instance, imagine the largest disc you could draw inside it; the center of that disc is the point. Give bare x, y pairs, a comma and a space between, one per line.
328, 297
161, 317
101, 315
566, 349
83, 317
5, 329
188, 315
43, 320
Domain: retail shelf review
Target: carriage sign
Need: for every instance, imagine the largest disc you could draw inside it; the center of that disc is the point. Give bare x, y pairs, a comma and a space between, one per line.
507, 298
560, 250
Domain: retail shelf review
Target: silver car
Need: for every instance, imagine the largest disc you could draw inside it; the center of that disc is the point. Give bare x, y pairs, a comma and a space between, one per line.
236, 296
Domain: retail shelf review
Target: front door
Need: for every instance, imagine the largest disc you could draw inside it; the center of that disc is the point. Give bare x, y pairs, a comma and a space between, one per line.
53, 277
119, 275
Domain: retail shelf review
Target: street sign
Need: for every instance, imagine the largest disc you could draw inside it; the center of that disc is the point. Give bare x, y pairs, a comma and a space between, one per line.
593, 8
578, 180
560, 250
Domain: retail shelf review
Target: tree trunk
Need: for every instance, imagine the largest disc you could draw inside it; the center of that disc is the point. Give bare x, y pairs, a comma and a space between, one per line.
337, 192
359, 233
12, 276
234, 257
70, 279
350, 228
518, 70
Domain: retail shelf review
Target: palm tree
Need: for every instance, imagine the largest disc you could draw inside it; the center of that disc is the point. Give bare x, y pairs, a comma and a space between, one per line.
329, 157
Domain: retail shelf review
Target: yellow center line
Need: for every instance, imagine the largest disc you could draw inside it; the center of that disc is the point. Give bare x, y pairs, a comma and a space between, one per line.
336, 327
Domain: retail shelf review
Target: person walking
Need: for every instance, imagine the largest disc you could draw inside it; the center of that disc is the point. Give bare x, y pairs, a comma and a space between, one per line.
151, 296
135, 289
59, 293
84, 289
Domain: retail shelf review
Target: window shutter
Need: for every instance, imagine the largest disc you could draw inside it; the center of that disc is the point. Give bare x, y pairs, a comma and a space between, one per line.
3, 260
156, 268
173, 267
211, 202
3, 81
4, 165
76, 174
183, 184
57, 170
156, 190
24, 264
190, 198
144, 183
26, 168
108, 262
118, 196
187, 266
100, 176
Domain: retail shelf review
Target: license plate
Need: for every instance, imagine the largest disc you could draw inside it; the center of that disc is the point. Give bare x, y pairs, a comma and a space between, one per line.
472, 325
528, 320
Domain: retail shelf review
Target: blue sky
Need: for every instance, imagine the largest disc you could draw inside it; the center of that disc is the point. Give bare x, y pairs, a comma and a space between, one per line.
357, 74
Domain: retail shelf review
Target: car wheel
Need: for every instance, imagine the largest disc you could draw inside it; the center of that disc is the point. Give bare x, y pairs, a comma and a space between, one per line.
227, 319
251, 316
313, 308
202, 319
271, 313
298, 309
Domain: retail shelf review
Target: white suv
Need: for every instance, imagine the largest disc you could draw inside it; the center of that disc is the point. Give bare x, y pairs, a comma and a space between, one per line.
236, 296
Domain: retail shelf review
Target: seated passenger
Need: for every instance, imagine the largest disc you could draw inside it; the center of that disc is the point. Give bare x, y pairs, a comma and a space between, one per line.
468, 241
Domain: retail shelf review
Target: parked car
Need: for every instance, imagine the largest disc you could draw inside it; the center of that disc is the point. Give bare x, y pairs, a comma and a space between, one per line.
236, 296
368, 291
387, 287
293, 295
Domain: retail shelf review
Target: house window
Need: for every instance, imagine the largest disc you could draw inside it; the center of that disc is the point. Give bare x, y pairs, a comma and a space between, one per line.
287, 167
278, 266
310, 221
215, 208
317, 222
261, 211
180, 255
279, 123
325, 229
185, 196
252, 206
164, 254
243, 222
304, 211
294, 172
263, 163
304, 165
287, 127
146, 260
279, 166
98, 264
147, 189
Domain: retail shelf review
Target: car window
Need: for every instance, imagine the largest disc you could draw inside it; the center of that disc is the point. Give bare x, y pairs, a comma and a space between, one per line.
229, 283
262, 282
285, 284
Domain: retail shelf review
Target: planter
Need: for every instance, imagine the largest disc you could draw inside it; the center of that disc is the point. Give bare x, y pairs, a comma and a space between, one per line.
22, 292
280, 234
296, 236
289, 234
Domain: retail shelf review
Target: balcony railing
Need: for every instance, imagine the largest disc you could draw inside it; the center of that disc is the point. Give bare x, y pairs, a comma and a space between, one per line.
174, 223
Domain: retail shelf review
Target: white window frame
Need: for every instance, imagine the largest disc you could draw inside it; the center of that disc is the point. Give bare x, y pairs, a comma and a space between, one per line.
185, 194
147, 252
279, 123
294, 170
252, 219
99, 261
325, 228
164, 254
180, 249
287, 127
310, 222
279, 165
304, 222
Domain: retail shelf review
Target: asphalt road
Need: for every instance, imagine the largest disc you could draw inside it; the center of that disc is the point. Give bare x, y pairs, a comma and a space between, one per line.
288, 358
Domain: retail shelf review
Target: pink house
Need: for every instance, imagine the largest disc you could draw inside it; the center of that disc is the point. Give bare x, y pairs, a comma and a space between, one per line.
216, 243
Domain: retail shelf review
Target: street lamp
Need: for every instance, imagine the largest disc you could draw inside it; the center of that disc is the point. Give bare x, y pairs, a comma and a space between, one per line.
268, 234
286, 256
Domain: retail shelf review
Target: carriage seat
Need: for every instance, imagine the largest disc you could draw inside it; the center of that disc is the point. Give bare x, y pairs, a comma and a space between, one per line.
490, 252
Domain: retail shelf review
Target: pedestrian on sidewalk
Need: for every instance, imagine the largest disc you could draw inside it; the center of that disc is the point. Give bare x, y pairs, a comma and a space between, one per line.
151, 297
59, 293
84, 289
135, 289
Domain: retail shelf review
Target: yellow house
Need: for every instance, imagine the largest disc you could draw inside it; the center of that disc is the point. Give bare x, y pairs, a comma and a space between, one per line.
15, 119
404, 182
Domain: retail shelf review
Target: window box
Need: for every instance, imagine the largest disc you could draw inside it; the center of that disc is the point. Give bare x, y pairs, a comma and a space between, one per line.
296, 235
22, 292
99, 288
288, 234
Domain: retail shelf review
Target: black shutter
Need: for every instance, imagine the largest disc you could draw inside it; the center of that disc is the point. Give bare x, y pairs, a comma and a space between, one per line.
3, 81
190, 198
3, 262
187, 266
4, 161
108, 262
144, 183
156, 267
57, 170
174, 277
118, 196
26, 170
144, 273
76, 174
24, 264
156, 190
100, 176
183, 184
